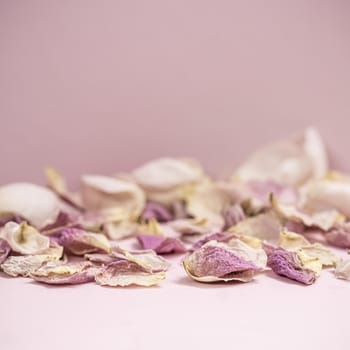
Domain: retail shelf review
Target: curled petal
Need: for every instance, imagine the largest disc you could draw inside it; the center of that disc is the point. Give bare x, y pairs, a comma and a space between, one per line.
265, 226
156, 211
57, 272
161, 245
147, 259
287, 264
102, 192
323, 219
217, 261
191, 226
36, 204
120, 230
292, 241
24, 239
80, 242
292, 161
5, 250
124, 273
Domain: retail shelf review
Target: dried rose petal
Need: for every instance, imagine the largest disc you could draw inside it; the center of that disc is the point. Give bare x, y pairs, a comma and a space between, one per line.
286, 264
5, 250
219, 237
292, 161
24, 239
339, 235
217, 261
124, 273
120, 230
161, 245
265, 226
233, 215
191, 226
323, 219
156, 211
342, 270
56, 272
80, 242
36, 204
103, 192
7, 218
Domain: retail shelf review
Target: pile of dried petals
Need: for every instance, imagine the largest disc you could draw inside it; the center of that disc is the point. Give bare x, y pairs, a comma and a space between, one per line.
279, 211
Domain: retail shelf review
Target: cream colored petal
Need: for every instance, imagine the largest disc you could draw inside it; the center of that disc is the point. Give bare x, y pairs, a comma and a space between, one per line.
36, 204
24, 239
151, 227
309, 262
292, 241
342, 270
293, 161
326, 257
323, 219
167, 173
106, 193
191, 226
327, 195
120, 230
264, 226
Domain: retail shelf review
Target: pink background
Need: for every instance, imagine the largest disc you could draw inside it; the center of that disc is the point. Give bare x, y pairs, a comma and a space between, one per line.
101, 86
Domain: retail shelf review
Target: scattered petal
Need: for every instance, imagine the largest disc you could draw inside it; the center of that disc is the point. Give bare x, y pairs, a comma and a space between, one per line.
124, 273
161, 245
293, 161
36, 204
56, 272
233, 215
339, 235
156, 211
120, 230
103, 192
24, 239
80, 242
287, 264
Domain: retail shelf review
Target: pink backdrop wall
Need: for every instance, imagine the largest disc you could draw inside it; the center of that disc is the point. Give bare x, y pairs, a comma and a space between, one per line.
101, 86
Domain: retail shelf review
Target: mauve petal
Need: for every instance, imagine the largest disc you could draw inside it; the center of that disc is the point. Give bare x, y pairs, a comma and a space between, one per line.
220, 237
286, 264
156, 211
161, 245
339, 235
80, 242
5, 250
215, 260
233, 215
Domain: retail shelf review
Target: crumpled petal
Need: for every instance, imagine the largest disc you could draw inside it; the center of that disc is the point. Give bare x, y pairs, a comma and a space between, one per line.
287, 264
209, 200
265, 226
80, 242
57, 184
216, 261
57, 272
327, 194
124, 273
120, 230
293, 161
342, 270
192, 226
24, 239
156, 211
165, 180
233, 215
161, 245
103, 192
219, 237
147, 259
5, 250
36, 204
